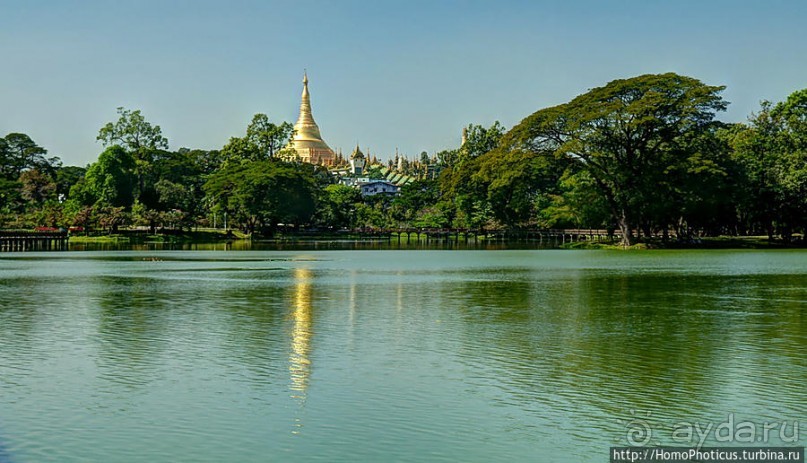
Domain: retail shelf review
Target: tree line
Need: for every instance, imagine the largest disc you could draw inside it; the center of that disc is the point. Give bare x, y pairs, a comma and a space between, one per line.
646, 156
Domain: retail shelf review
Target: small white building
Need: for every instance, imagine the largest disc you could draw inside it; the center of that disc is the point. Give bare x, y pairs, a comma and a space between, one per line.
377, 187
353, 181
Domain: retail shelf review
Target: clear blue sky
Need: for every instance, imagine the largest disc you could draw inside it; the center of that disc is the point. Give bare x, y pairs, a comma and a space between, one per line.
407, 74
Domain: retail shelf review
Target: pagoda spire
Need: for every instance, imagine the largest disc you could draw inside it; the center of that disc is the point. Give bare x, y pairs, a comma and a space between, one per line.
306, 127
307, 140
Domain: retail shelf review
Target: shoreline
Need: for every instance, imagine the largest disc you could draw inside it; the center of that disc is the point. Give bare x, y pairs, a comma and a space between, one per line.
221, 237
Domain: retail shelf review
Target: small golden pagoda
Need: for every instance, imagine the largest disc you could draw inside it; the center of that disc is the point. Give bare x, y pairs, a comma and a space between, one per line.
307, 141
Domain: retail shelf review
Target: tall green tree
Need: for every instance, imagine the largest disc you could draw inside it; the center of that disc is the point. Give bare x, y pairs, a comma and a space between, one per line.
791, 116
110, 181
338, 205
263, 140
447, 158
262, 194
66, 177
269, 138
480, 140
464, 196
514, 180
145, 142
772, 152
178, 179
180, 200
10, 198
413, 201
623, 133
132, 132
464, 193
18, 152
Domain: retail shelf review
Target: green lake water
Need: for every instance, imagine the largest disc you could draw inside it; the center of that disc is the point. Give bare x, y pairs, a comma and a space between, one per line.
345, 356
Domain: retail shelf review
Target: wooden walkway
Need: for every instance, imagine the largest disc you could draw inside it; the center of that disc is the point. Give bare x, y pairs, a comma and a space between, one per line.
548, 236
11, 240
58, 240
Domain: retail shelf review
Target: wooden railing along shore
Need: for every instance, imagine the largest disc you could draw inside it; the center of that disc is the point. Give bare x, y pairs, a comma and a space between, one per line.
14, 240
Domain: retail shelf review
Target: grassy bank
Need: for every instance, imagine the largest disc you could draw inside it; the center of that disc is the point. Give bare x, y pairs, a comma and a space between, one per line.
719, 242
202, 236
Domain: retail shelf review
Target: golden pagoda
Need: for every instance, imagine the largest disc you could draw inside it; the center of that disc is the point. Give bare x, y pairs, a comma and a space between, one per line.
307, 141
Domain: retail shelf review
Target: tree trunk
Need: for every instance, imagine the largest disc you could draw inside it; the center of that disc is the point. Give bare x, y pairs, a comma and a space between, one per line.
787, 233
618, 212
624, 227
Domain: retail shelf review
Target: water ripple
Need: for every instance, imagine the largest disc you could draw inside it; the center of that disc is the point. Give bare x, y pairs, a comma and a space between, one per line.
379, 356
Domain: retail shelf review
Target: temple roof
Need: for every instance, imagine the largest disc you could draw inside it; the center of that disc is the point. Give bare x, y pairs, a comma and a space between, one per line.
357, 154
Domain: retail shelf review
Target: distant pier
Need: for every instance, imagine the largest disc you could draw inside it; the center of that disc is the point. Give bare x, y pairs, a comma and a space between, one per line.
548, 236
19, 241
558, 236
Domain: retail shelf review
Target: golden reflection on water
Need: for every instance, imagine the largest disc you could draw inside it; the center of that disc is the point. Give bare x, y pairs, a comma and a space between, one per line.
300, 355
299, 358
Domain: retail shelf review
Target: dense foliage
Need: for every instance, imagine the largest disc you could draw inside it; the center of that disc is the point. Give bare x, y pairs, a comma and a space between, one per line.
644, 155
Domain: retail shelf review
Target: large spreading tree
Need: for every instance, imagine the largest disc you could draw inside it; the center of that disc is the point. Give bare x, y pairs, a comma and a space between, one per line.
626, 135
261, 194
